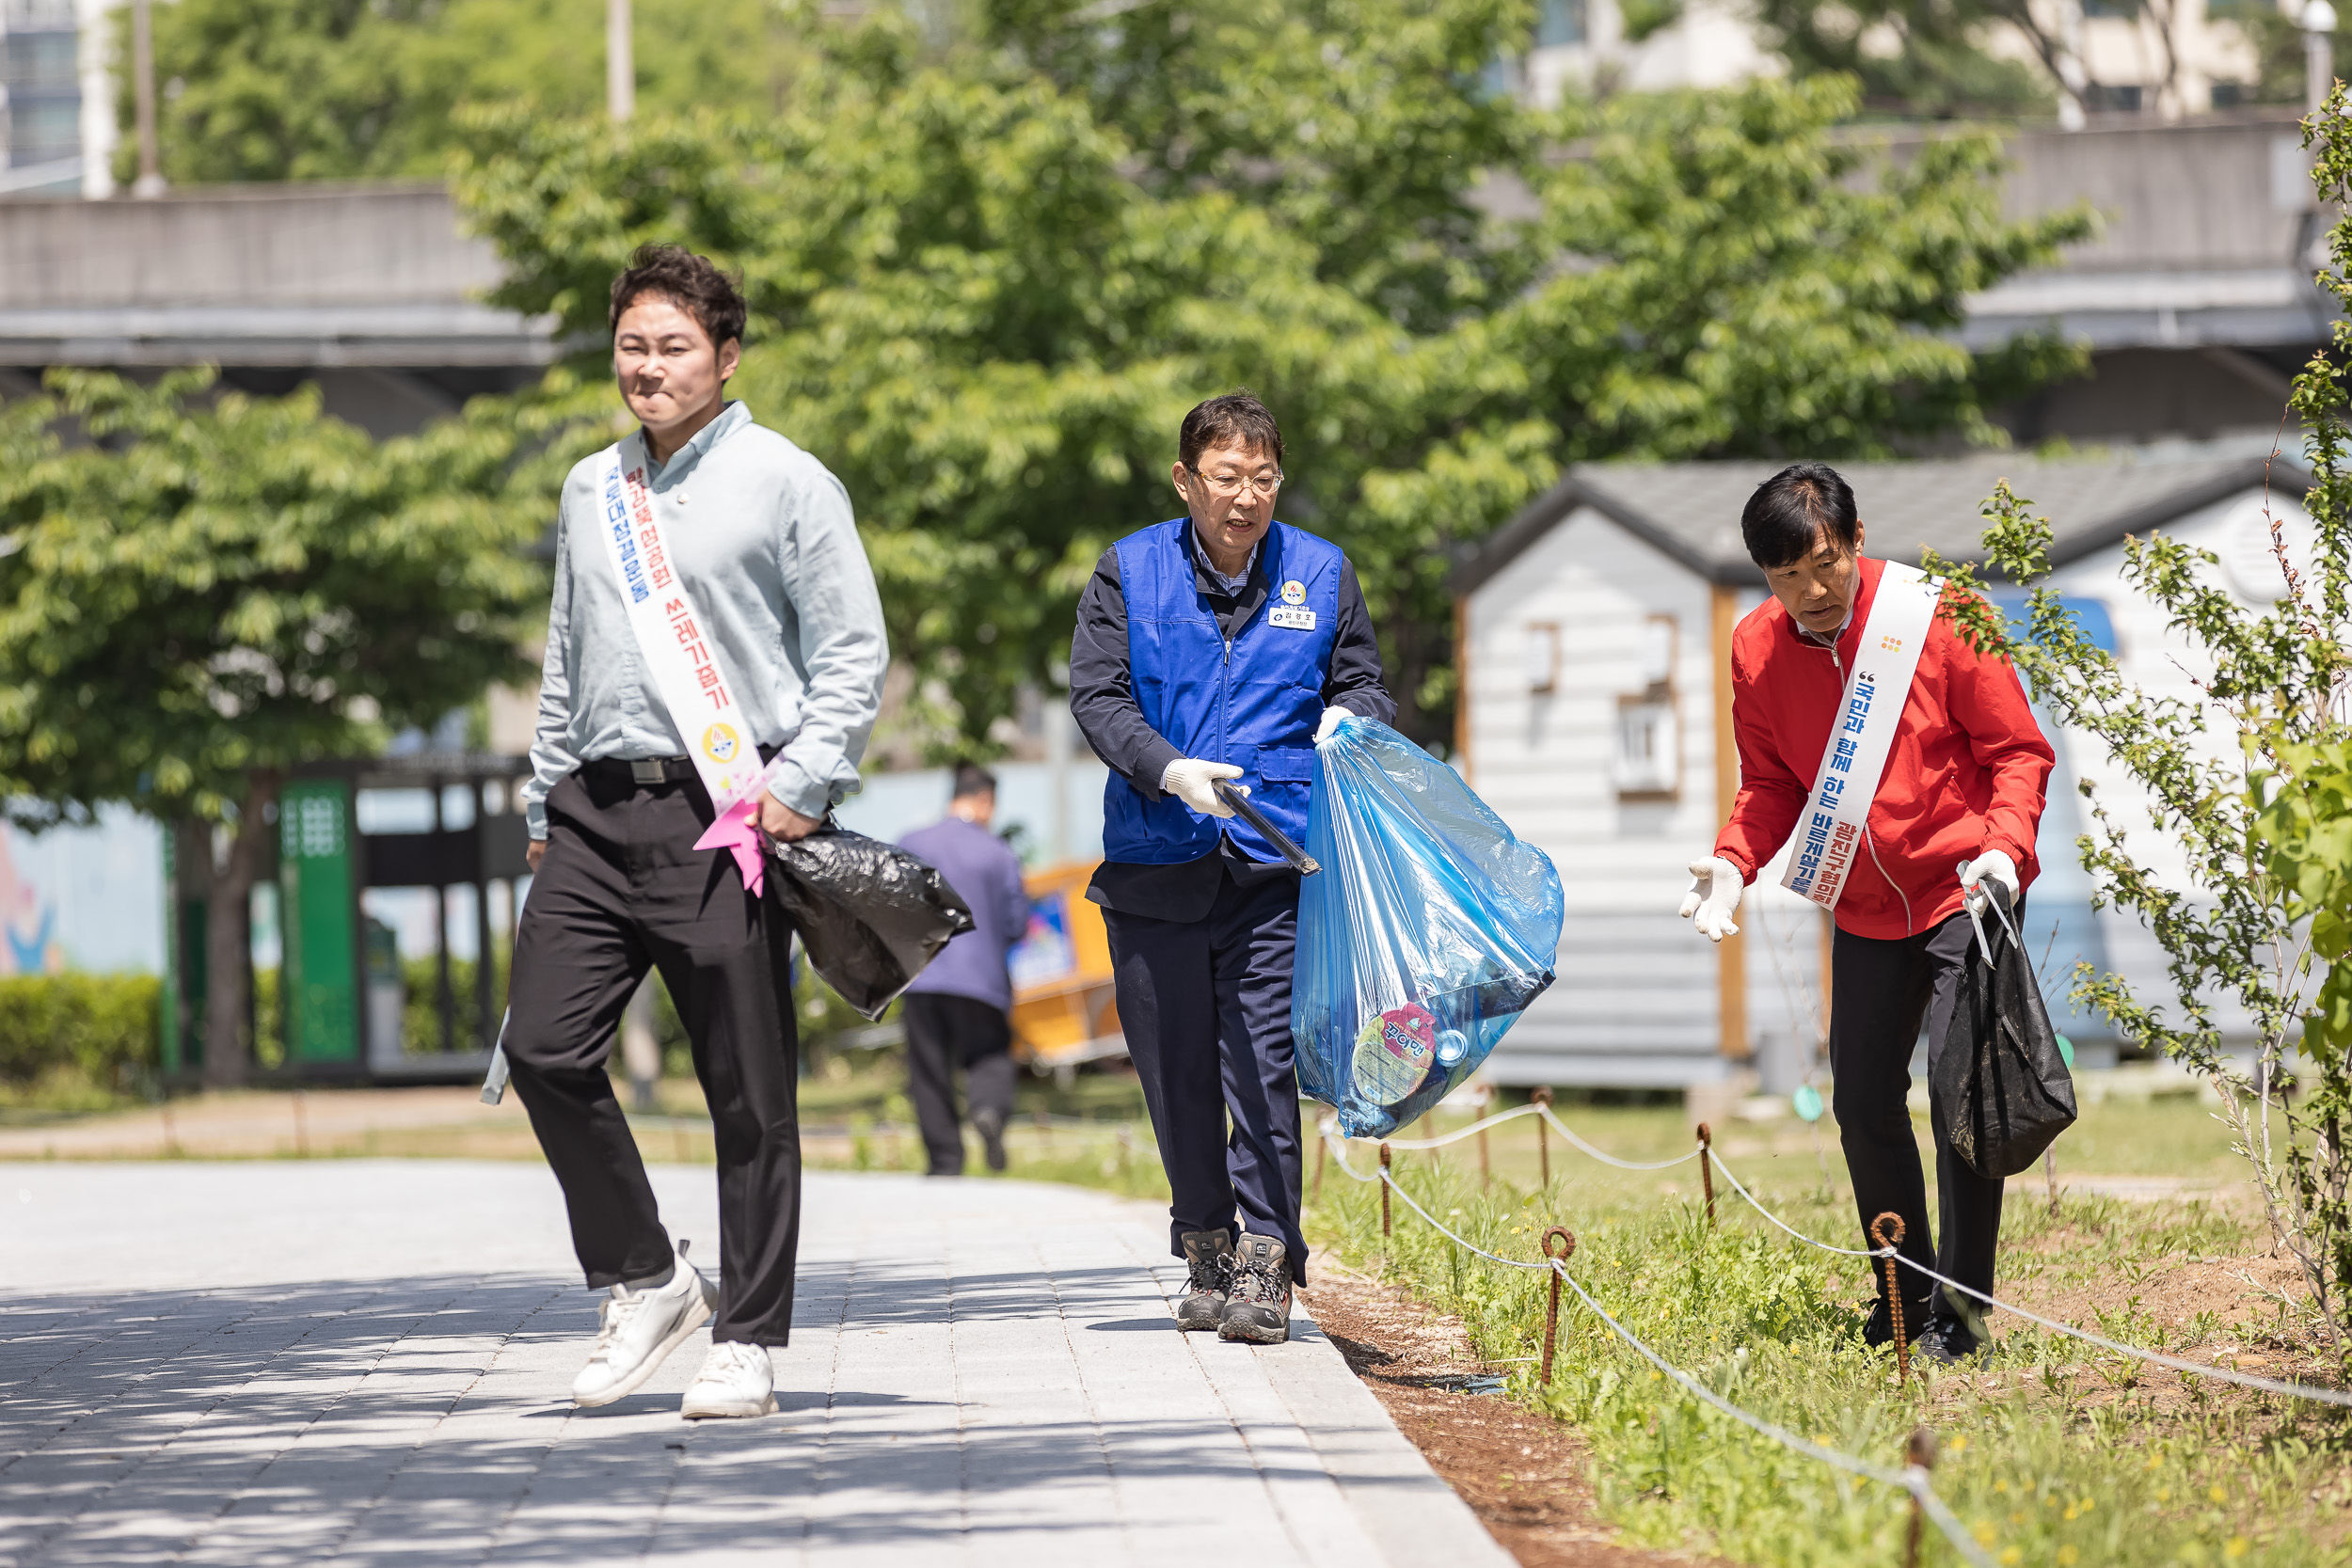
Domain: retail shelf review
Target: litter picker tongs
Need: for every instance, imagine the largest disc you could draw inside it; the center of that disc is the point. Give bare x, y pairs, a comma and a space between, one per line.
1300, 862
494, 1082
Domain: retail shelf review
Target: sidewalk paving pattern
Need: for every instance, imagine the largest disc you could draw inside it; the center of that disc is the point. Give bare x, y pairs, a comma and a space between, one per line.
366, 1362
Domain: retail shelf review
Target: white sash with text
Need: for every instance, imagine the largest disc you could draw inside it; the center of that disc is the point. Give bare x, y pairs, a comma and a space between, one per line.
684, 664
1829, 835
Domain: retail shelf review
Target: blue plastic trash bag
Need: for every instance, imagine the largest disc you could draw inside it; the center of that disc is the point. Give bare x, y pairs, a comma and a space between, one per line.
1428, 931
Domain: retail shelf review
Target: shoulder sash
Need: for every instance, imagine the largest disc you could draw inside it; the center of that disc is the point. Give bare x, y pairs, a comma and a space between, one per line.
1832, 828
682, 659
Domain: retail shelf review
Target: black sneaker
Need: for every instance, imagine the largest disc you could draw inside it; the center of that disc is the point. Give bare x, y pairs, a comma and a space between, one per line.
1209, 1260
1880, 1330
990, 1125
1260, 1311
1948, 1343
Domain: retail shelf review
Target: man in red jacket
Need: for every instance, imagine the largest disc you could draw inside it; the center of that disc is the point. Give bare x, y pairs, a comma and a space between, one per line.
1962, 791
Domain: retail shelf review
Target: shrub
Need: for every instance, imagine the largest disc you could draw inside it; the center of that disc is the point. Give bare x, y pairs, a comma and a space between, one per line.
105, 1027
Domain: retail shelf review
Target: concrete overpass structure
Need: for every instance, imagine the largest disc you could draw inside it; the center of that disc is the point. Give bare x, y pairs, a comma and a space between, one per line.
371, 290
2195, 296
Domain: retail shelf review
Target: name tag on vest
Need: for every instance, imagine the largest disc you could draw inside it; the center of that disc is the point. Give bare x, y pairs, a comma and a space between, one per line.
1291, 616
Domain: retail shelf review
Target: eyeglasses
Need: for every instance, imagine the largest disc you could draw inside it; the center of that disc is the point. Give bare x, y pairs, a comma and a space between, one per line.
1226, 485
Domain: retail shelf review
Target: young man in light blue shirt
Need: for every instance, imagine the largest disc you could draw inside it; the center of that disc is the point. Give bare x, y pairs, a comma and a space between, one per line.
748, 548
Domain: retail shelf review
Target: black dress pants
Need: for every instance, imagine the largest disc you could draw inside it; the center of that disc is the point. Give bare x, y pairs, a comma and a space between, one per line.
623, 889
1206, 1008
1880, 993
946, 1032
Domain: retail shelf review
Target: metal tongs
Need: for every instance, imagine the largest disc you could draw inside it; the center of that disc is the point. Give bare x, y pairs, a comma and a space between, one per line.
1300, 862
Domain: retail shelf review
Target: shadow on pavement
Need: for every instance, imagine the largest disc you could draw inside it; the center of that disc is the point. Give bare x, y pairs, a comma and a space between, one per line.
382, 1422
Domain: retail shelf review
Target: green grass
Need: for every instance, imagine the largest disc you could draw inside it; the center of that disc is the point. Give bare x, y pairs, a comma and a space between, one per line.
2054, 1453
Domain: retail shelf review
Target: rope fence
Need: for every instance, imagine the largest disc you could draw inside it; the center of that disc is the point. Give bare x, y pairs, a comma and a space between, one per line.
1714, 1162
1912, 1478
1888, 1232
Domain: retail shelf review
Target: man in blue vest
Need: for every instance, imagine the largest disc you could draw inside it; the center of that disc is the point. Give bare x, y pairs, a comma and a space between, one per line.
1218, 645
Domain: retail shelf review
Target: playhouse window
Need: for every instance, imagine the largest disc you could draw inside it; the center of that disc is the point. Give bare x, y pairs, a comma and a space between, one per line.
1648, 761
1649, 748
1543, 657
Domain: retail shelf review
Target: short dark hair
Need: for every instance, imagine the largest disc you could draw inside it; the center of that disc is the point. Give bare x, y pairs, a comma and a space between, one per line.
693, 283
972, 778
1232, 419
1793, 509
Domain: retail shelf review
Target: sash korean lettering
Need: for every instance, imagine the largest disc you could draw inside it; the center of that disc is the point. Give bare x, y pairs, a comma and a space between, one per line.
1829, 835
685, 665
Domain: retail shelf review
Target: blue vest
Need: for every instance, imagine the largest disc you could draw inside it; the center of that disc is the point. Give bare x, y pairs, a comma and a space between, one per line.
1254, 702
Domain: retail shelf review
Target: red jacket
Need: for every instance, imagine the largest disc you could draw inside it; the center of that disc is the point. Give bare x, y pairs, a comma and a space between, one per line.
1966, 773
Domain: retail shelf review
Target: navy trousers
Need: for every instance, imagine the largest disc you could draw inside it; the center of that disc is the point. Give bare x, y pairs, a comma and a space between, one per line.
1206, 1008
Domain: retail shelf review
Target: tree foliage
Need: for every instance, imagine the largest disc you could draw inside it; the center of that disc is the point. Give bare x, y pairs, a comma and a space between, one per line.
987, 279
342, 89
2250, 784
200, 591
1914, 56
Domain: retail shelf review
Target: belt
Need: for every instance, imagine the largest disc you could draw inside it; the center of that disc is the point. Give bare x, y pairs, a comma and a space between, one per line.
645, 771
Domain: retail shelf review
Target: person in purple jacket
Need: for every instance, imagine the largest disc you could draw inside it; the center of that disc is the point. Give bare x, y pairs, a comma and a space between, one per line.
956, 1010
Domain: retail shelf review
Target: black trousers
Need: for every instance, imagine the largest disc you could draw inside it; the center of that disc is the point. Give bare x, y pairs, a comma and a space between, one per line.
943, 1033
1880, 993
623, 889
1206, 1008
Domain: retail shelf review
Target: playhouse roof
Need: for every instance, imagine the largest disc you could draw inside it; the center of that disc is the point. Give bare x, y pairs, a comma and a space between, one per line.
1691, 511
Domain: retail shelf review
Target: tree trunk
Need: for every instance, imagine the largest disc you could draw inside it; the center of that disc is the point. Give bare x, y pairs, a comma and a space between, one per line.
228, 939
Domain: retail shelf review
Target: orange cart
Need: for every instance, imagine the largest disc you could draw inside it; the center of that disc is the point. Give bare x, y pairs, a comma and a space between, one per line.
1064, 1010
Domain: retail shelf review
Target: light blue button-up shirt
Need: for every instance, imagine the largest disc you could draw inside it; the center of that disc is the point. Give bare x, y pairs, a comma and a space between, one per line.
762, 537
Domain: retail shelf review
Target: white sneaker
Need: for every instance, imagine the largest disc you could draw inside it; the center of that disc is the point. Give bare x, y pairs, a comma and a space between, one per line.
638, 1330
736, 1380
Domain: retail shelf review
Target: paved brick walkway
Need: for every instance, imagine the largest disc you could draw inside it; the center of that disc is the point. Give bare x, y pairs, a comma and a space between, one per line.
365, 1362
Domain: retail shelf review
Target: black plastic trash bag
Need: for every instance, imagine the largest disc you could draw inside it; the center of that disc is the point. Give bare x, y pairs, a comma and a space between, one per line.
2002, 1090
870, 915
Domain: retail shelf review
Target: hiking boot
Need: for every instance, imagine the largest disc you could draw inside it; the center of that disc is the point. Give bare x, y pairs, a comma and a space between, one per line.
637, 1328
1260, 1310
1880, 1330
1209, 1263
990, 1125
736, 1379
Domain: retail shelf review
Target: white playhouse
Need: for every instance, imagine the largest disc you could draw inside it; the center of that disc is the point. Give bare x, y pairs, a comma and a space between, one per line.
1594, 636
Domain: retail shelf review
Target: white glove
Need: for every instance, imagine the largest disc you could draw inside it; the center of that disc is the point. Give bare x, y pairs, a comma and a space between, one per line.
1714, 897
1188, 778
1995, 865
1331, 717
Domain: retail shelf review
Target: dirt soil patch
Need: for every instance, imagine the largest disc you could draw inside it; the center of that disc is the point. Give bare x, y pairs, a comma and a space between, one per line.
2221, 1311
1525, 1476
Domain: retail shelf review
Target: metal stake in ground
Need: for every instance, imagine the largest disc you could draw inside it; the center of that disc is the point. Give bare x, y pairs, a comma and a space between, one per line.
1384, 1189
1706, 1170
1879, 1229
1542, 1096
1551, 1313
1919, 1458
